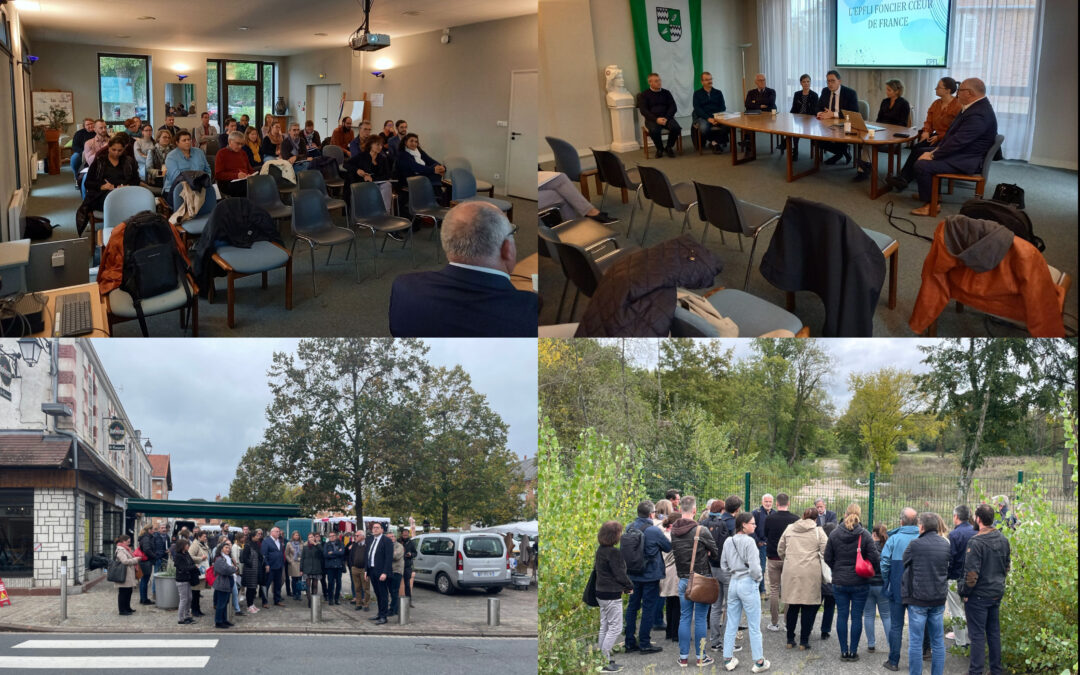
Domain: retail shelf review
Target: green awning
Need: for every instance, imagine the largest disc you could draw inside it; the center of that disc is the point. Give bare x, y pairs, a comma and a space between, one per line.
197, 509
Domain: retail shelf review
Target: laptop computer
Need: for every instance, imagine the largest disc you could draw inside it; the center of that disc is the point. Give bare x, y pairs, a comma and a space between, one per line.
859, 124
55, 264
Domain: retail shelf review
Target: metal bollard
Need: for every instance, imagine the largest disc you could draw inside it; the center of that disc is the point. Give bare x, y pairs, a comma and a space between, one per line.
63, 588
316, 608
403, 612
493, 612
230, 611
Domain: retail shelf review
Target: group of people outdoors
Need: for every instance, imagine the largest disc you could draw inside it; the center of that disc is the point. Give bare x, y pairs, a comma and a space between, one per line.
959, 129
254, 564
800, 561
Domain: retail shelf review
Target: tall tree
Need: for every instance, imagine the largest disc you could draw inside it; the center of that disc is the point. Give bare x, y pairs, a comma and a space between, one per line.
459, 467
341, 407
807, 367
885, 409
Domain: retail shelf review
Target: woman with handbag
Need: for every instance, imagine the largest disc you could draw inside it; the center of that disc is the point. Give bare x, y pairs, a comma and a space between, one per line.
741, 560
146, 566
693, 546
610, 583
186, 575
200, 553
123, 561
853, 557
801, 547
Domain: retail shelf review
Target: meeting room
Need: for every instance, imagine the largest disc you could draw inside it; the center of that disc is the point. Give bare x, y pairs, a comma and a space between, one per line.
746, 168
349, 167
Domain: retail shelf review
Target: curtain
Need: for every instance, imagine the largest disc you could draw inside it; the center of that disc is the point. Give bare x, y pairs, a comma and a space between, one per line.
997, 41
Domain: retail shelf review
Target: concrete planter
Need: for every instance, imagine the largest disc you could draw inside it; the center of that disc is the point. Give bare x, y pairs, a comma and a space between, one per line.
166, 595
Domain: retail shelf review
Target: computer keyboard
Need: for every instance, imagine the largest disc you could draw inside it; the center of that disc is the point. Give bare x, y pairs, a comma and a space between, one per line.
73, 315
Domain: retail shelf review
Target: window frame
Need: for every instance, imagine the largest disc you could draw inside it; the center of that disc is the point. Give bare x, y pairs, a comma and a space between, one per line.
6, 48
259, 84
149, 85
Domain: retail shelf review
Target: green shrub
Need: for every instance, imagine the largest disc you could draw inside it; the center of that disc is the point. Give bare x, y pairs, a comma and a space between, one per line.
601, 484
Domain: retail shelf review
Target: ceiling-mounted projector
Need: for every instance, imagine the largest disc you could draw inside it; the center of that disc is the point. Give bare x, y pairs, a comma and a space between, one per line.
369, 42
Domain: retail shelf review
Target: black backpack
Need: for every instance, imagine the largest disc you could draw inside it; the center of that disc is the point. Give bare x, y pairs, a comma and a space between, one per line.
37, 228
152, 262
1009, 193
719, 531
632, 547
1003, 214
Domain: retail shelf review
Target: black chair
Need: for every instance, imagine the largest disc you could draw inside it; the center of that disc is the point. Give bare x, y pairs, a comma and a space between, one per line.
313, 180
659, 190
262, 190
568, 161
719, 207
423, 205
614, 173
369, 211
311, 223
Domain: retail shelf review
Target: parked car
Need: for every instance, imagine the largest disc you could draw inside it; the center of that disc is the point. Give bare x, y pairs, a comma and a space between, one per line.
454, 561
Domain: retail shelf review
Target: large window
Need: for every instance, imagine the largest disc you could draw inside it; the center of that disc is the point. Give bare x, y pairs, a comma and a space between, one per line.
16, 533
238, 88
213, 105
124, 86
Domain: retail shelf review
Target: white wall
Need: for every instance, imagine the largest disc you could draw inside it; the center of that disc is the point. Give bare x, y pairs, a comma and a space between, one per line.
1055, 142
9, 185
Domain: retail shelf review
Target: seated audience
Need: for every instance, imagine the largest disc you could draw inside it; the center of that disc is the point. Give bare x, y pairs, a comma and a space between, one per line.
413, 161
343, 135
556, 190
657, 108
252, 147
894, 110
110, 170
760, 98
835, 98
155, 161
939, 117
293, 148
472, 295
804, 102
965, 146
271, 142
133, 126
394, 142
388, 131
370, 164
170, 126
205, 132
78, 141
231, 164
362, 133
268, 122
243, 124
223, 137
97, 142
143, 146
184, 158
708, 104
311, 139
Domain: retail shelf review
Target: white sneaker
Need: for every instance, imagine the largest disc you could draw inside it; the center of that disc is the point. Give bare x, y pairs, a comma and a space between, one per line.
252, 610
760, 668
773, 627
730, 665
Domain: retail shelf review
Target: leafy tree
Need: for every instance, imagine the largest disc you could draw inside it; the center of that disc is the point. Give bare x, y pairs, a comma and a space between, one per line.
341, 409
804, 368
257, 480
884, 413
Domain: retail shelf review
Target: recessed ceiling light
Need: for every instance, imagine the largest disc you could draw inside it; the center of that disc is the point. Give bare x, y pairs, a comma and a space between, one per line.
123, 36
411, 12
147, 18
242, 28
28, 5
321, 34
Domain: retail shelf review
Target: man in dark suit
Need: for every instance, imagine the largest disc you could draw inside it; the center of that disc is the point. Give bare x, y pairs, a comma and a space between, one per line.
380, 567
273, 551
760, 98
473, 295
969, 137
824, 514
657, 108
834, 100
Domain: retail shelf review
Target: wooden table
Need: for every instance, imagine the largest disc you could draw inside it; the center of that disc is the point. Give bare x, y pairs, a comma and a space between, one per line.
809, 126
97, 309
521, 277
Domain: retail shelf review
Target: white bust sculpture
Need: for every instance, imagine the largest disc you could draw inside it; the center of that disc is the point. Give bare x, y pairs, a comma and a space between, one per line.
617, 95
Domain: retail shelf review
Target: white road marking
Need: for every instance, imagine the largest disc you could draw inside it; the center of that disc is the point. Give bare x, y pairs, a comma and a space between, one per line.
116, 644
69, 663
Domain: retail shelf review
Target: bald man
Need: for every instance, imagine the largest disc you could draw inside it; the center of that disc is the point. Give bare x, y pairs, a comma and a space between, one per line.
472, 296
760, 98
966, 142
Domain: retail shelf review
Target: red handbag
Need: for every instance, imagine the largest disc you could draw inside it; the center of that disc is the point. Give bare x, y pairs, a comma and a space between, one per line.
863, 567
139, 555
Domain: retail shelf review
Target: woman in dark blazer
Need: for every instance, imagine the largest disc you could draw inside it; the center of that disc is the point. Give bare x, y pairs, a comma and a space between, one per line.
371, 164
894, 110
111, 169
804, 102
251, 562
413, 161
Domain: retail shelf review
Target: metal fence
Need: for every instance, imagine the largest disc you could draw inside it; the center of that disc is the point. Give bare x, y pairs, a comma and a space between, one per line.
882, 497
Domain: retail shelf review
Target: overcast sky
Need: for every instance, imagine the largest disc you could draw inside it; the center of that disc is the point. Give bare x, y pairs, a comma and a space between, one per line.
204, 401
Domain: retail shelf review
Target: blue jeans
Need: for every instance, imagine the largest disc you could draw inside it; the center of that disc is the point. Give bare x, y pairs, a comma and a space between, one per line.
333, 585
984, 630
928, 622
691, 611
221, 607
896, 629
876, 599
645, 597
743, 597
76, 161
849, 600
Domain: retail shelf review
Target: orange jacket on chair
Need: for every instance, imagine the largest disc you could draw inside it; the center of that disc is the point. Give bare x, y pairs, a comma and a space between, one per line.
1018, 288
111, 271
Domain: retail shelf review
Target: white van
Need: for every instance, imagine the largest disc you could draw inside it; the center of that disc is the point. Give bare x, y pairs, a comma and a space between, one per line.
454, 561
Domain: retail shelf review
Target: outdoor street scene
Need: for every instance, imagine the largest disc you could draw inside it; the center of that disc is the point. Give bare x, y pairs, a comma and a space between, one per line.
174, 505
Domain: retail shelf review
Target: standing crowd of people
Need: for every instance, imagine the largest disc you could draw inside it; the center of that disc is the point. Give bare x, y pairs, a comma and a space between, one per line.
703, 581
254, 566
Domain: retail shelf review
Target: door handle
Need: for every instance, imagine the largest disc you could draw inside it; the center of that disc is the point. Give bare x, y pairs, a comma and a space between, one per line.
515, 134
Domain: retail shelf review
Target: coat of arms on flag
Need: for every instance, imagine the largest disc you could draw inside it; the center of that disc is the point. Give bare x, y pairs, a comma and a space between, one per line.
669, 23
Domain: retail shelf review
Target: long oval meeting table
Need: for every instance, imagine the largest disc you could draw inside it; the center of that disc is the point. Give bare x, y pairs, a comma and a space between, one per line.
791, 126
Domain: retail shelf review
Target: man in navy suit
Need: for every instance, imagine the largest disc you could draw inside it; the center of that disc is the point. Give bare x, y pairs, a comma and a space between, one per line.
472, 296
824, 514
380, 561
969, 137
273, 552
834, 100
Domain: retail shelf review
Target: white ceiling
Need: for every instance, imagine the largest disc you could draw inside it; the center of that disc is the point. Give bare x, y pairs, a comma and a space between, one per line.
275, 27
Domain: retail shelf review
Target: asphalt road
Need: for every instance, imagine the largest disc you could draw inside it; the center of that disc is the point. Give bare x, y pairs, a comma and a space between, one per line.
265, 654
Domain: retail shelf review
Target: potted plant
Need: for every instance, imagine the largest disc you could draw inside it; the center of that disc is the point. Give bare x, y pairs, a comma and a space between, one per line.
165, 594
55, 122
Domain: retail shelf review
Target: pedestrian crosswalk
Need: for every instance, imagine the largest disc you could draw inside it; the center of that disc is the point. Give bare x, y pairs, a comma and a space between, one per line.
68, 655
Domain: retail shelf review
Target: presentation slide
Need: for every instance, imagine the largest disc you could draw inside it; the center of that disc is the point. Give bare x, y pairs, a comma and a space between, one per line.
892, 33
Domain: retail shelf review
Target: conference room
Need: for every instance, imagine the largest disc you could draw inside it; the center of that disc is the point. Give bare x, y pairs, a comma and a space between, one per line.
823, 168
323, 171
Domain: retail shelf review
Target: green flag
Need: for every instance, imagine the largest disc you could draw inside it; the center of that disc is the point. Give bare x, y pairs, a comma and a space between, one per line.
667, 36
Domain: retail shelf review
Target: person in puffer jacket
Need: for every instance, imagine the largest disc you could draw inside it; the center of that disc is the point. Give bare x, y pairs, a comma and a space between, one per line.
850, 589
686, 534
924, 588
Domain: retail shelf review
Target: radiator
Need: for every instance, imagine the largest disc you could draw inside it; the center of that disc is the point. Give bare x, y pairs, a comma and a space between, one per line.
16, 211
33, 167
